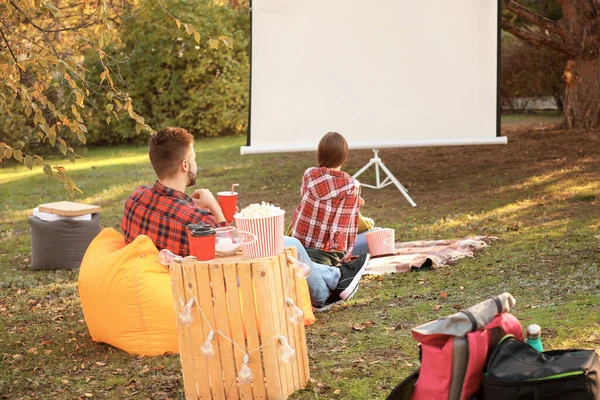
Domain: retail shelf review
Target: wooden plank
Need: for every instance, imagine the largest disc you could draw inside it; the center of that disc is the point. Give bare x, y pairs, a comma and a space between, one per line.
268, 330
222, 319
302, 350
236, 322
250, 326
289, 291
197, 331
280, 316
205, 298
183, 333
68, 208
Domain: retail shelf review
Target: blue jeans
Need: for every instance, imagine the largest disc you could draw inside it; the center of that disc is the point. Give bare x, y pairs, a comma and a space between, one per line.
322, 279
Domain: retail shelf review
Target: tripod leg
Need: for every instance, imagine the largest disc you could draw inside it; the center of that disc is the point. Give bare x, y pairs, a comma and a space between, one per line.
363, 169
398, 184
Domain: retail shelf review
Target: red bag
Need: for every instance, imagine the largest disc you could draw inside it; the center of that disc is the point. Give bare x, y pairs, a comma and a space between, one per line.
454, 350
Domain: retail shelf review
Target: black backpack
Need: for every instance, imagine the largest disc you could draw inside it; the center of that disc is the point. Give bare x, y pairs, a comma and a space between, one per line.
516, 371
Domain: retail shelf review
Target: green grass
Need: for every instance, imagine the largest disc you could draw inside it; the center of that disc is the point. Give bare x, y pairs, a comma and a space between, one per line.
542, 116
538, 194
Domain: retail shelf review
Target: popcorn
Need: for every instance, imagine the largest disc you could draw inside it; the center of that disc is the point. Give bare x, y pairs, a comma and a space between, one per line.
260, 210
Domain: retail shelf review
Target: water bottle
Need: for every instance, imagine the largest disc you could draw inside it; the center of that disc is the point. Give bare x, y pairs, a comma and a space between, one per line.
534, 333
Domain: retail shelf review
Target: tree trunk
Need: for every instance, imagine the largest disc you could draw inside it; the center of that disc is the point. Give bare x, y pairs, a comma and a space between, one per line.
582, 100
576, 34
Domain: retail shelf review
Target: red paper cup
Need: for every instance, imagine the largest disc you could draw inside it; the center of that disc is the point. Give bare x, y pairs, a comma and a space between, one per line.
266, 237
202, 247
381, 242
227, 201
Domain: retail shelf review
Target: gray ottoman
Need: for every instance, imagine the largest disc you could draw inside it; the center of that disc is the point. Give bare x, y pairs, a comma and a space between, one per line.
61, 244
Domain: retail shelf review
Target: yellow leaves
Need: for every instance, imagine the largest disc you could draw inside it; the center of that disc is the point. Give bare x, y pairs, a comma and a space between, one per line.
75, 114
228, 42
109, 107
189, 28
79, 99
18, 155
106, 75
70, 80
29, 161
47, 169
28, 110
39, 118
62, 146
178, 22
70, 186
214, 43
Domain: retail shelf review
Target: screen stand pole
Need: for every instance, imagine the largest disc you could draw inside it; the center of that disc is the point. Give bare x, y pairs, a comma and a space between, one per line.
387, 181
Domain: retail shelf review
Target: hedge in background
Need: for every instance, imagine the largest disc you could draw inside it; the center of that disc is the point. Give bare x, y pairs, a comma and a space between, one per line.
175, 82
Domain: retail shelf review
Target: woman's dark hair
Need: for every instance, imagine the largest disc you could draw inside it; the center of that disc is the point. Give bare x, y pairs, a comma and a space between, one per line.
332, 151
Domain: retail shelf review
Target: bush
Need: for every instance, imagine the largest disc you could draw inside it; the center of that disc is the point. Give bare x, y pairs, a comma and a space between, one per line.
529, 72
176, 82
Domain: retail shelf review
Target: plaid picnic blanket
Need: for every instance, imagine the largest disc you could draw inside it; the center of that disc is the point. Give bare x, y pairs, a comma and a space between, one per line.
425, 254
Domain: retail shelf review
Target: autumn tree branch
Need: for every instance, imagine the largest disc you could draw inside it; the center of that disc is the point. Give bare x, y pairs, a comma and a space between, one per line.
536, 19
24, 37
12, 54
46, 30
535, 38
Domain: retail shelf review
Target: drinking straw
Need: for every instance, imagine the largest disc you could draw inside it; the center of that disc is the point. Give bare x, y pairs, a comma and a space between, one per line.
233, 187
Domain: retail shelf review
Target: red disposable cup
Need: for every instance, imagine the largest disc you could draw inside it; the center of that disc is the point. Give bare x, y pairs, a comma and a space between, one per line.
202, 247
228, 202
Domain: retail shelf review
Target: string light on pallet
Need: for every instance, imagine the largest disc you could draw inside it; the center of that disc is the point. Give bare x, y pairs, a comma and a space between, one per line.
295, 316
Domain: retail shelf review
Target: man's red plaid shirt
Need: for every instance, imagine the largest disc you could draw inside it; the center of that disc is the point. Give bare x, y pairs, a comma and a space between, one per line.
327, 217
162, 214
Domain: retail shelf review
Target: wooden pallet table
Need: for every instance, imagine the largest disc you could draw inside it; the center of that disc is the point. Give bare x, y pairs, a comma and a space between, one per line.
245, 303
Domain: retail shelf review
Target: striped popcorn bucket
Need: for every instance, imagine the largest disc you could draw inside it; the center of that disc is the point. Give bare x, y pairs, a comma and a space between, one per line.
268, 231
381, 242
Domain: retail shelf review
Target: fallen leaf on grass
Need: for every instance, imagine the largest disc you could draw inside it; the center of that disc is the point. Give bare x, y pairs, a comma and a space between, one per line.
444, 294
457, 306
100, 363
88, 395
363, 325
321, 387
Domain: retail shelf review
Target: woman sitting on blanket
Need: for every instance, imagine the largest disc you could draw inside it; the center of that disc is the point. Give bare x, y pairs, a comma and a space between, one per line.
327, 219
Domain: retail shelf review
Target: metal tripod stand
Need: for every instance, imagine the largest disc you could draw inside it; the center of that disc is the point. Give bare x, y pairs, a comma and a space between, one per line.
390, 178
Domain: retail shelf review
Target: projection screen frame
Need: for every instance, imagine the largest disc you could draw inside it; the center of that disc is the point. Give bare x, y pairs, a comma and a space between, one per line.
498, 139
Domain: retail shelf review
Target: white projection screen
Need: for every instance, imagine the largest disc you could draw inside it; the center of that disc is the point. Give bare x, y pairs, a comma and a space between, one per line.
383, 73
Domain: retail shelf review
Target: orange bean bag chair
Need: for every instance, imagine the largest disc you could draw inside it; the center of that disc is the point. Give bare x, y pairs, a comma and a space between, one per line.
126, 295
127, 299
